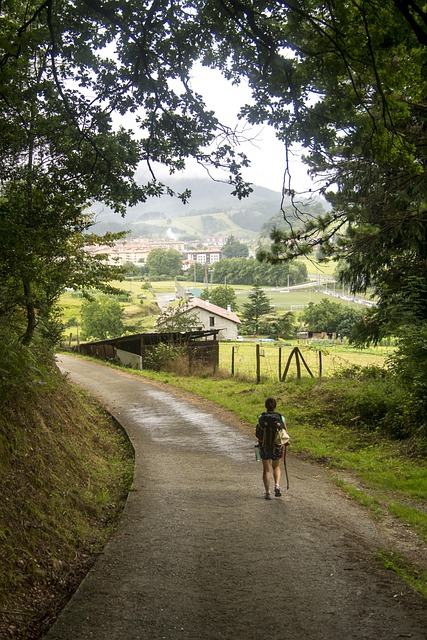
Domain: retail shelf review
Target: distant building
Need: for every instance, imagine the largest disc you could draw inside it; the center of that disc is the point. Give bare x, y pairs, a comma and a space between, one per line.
211, 316
135, 251
204, 256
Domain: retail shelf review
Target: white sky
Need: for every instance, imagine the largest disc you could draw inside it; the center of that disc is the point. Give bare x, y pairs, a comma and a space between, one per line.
266, 152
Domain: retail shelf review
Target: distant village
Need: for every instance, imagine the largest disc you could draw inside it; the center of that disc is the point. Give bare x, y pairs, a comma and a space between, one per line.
136, 250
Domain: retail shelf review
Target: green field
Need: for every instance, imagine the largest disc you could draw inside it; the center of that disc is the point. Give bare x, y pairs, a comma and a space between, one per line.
138, 312
334, 358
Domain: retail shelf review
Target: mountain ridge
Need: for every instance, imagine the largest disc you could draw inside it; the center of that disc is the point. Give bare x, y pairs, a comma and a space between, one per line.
211, 211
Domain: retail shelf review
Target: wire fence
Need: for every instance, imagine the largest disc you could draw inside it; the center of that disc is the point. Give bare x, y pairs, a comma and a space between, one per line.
274, 362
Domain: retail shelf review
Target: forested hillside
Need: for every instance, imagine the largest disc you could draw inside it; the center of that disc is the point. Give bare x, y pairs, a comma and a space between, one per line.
210, 211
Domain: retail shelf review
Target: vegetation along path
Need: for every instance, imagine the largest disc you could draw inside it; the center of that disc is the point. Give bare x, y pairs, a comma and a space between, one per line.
200, 554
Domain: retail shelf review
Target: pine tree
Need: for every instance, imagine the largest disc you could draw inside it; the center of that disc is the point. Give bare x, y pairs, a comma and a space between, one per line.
258, 306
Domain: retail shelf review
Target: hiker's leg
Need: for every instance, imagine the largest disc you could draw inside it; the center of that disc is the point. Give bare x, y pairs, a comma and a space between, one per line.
276, 471
266, 466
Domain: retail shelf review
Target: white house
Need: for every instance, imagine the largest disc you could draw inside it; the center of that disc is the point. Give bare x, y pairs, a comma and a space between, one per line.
211, 316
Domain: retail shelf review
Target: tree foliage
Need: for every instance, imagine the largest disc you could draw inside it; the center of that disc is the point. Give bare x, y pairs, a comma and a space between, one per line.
164, 262
258, 306
279, 326
179, 318
250, 270
234, 249
222, 295
102, 318
347, 80
69, 74
330, 317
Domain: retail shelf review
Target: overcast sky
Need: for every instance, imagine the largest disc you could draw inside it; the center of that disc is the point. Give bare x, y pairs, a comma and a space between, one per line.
267, 154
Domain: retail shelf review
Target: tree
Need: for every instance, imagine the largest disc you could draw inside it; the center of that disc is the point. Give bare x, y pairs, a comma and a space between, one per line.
164, 262
101, 319
222, 295
364, 129
234, 249
258, 306
177, 319
279, 326
249, 270
330, 317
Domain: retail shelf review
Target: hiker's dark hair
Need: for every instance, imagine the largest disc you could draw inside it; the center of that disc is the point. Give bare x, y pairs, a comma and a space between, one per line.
270, 404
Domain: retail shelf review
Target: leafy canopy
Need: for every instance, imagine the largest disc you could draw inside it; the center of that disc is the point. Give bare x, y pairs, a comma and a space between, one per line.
164, 262
102, 318
222, 295
331, 317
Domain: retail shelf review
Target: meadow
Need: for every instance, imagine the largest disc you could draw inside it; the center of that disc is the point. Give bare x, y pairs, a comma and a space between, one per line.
274, 356
139, 316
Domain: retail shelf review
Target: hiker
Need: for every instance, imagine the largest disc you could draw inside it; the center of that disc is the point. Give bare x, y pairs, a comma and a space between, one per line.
269, 422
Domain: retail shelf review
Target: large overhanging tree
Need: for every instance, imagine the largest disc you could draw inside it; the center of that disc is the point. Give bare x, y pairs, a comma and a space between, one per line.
68, 73
347, 80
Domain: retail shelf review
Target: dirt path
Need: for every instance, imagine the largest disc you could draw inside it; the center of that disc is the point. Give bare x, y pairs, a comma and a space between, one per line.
199, 554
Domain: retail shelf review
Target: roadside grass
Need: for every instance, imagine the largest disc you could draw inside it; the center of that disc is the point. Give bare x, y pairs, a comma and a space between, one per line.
396, 562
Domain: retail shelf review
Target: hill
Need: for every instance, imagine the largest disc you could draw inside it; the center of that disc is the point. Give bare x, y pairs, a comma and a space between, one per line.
211, 211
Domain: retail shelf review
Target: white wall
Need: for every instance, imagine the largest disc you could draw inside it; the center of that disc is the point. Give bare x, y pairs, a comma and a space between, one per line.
229, 329
129, 359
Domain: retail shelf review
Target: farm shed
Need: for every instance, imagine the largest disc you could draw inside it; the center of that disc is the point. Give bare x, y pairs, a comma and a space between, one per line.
201, 346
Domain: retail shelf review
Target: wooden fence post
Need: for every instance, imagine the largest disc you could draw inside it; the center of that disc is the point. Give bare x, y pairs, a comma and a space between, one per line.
280, 363
320, 364
258, 365
232, 361
297, 362
298, 355
285, 373
305, 364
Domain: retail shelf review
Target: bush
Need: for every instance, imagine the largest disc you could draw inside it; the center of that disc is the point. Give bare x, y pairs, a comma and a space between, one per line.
409, 365
165, 357
376, 402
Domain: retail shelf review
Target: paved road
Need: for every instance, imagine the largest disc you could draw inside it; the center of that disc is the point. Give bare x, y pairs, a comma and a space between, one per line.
199, 554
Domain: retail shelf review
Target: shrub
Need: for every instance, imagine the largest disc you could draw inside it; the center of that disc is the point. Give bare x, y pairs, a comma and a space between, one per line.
377, 403
409, 364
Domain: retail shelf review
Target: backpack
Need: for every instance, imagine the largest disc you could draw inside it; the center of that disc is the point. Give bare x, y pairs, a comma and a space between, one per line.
269, 424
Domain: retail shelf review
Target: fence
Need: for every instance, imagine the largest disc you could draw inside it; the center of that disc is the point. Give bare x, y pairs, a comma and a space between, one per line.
261, 362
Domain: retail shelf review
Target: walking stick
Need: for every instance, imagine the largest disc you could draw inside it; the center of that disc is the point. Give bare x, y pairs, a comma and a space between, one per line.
285, 446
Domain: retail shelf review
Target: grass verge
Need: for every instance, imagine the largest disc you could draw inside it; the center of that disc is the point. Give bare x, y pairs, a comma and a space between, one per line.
65, 471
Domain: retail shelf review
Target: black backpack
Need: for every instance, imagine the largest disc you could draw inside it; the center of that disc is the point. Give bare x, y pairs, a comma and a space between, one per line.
266, 429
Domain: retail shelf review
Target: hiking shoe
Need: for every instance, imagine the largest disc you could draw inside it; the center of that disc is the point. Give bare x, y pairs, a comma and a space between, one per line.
267, 495
277, 492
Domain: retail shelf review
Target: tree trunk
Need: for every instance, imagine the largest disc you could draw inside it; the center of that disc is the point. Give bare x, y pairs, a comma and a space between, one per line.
31, 314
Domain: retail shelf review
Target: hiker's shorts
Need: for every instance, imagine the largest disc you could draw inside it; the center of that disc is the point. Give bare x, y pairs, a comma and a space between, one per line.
274, 454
